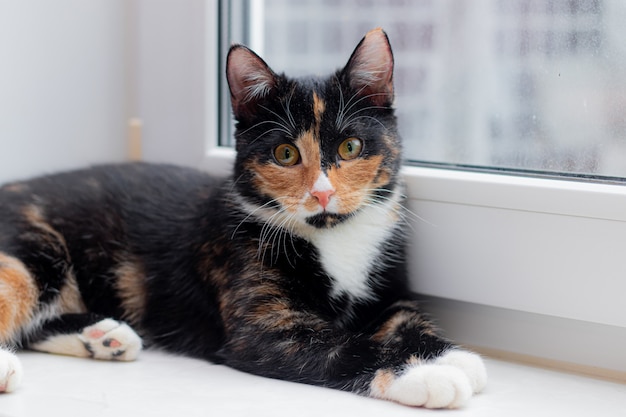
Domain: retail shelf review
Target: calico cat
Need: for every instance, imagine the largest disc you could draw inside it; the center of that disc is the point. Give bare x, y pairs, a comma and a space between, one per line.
292, 268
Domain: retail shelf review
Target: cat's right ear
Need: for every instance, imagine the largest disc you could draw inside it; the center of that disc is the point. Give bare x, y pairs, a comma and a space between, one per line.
250, 80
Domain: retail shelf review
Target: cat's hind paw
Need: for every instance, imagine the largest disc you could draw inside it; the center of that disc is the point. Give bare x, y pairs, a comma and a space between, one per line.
447, 382
110, 339
10, 371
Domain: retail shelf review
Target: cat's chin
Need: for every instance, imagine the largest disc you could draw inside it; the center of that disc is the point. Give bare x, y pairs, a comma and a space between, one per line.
326, 220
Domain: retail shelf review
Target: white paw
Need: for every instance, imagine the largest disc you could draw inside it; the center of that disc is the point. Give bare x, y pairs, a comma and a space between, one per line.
431, 386
447, 382
470, 363
111, 340
10, 371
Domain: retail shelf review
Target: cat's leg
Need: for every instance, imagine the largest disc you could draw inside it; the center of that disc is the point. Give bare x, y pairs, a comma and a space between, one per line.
18, 300
89, 336
400, 358
445, 382
436, 374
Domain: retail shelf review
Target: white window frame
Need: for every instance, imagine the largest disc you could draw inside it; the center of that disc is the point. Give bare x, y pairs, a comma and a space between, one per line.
496, 252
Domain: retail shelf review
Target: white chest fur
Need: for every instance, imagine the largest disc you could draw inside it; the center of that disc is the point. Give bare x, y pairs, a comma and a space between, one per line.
349, 251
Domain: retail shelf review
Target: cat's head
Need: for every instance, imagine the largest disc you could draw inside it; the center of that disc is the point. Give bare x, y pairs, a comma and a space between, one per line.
315, 151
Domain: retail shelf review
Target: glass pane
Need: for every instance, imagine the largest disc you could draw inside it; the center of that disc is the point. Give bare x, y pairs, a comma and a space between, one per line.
523, 84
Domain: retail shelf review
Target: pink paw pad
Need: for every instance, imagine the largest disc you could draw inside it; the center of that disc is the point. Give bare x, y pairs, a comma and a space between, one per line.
110, 339
95, 333
112, 343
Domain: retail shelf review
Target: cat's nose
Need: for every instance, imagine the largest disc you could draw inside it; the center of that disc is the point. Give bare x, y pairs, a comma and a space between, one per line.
323, 196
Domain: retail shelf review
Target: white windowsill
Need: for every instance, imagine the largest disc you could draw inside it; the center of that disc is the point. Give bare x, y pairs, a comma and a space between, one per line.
158, 384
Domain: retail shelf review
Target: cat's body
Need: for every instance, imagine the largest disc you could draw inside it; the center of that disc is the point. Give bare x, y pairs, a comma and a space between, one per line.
292, 269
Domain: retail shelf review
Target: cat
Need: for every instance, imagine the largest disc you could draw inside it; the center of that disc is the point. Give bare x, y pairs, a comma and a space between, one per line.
292, 268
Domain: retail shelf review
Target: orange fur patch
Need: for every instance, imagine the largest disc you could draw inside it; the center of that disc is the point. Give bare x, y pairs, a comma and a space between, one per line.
70, 299
381, 382
387, 330
318, 109
290, 184
34, 215
18, 296
353, 180
413, 361
132, 290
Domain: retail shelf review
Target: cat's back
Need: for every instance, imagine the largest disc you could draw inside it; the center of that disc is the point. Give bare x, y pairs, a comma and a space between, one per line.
129, 196
142, 183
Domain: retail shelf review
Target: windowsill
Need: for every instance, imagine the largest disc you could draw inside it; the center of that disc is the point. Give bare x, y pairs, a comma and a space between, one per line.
164, 385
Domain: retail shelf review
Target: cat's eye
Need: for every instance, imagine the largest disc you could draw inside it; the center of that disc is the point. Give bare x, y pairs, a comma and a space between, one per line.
350, 148
286, 154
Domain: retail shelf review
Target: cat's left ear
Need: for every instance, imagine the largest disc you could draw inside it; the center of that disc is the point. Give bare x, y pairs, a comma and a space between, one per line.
370, 68
250, 79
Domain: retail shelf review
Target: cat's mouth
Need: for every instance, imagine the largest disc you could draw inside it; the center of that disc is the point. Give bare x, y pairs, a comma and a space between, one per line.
326, 220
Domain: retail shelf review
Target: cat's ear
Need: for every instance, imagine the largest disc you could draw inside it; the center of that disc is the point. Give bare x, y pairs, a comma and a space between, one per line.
370, 68
250, 79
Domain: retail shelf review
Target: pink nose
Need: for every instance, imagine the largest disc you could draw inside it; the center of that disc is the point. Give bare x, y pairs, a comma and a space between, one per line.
323, 197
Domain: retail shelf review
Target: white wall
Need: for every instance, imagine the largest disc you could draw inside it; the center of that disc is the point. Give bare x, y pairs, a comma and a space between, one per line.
172, 86
63, 92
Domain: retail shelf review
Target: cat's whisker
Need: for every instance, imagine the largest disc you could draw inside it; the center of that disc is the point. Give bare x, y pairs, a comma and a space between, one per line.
279, 129
274, 235
344, 111
342, 105
382, 201
274, 231
353, 116
292, 223
269, 233
288, 110
236, 181
401, 210
286, 122
357, 94
354, 113
340, 113
382, 208
263, 123
354, 119
280, 235
253, 212
368, 107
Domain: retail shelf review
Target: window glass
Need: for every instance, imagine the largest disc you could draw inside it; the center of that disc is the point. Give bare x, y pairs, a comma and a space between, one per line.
522, 84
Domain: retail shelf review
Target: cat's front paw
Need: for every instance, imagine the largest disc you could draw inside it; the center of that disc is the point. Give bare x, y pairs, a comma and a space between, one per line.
470, 363
10, 371
447, 382
109, 339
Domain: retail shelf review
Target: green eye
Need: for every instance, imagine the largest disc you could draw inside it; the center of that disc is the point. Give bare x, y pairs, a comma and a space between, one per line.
286, 155
350, 148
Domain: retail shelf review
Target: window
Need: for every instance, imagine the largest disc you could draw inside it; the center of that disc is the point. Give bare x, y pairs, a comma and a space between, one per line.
531, 85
